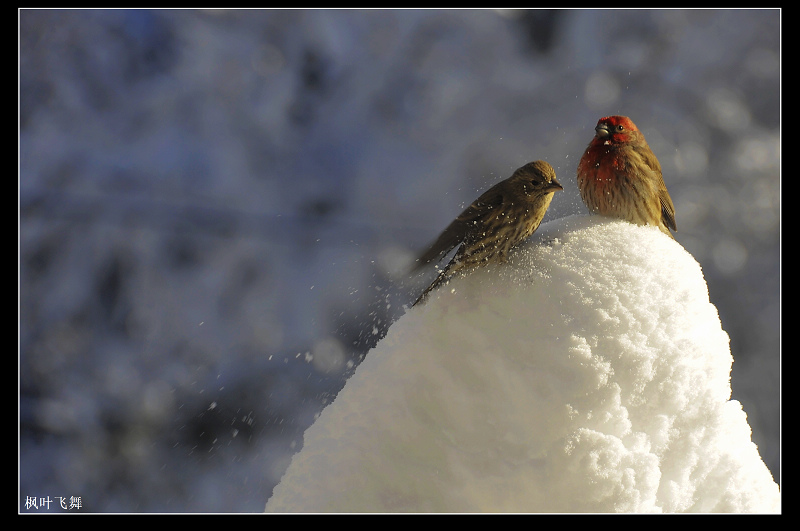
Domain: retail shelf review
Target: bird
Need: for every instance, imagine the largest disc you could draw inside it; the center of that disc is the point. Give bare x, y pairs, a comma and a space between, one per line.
619, 176
503, 216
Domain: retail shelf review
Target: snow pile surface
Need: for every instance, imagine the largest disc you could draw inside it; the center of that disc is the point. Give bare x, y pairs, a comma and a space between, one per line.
588, 374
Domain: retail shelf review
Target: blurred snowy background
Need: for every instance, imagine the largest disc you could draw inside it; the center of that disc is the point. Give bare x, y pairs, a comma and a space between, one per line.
217, 210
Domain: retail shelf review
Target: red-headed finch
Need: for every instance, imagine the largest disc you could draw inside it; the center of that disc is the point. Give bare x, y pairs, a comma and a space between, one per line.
619, 176
504, 216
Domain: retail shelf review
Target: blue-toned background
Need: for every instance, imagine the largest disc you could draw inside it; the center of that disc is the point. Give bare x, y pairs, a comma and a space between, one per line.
218, 210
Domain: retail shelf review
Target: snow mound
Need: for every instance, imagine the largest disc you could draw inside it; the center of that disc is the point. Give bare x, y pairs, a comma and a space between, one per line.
590, 373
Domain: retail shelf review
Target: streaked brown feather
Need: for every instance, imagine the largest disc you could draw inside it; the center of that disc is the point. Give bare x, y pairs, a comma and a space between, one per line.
501, 218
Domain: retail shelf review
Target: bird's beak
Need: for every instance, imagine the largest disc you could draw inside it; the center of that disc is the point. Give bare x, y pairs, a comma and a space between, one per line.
554, 185
602, 130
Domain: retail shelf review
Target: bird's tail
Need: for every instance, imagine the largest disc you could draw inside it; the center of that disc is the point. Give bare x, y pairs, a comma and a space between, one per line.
440, 279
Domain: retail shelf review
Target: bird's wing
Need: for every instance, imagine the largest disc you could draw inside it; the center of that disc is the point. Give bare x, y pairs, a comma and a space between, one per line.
458, 231
667, 208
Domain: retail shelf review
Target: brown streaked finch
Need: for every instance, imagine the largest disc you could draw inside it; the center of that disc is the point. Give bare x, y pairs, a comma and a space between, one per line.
503, 216
620, 177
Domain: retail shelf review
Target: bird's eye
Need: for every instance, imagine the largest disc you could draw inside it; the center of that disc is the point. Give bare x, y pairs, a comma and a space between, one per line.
620, 128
